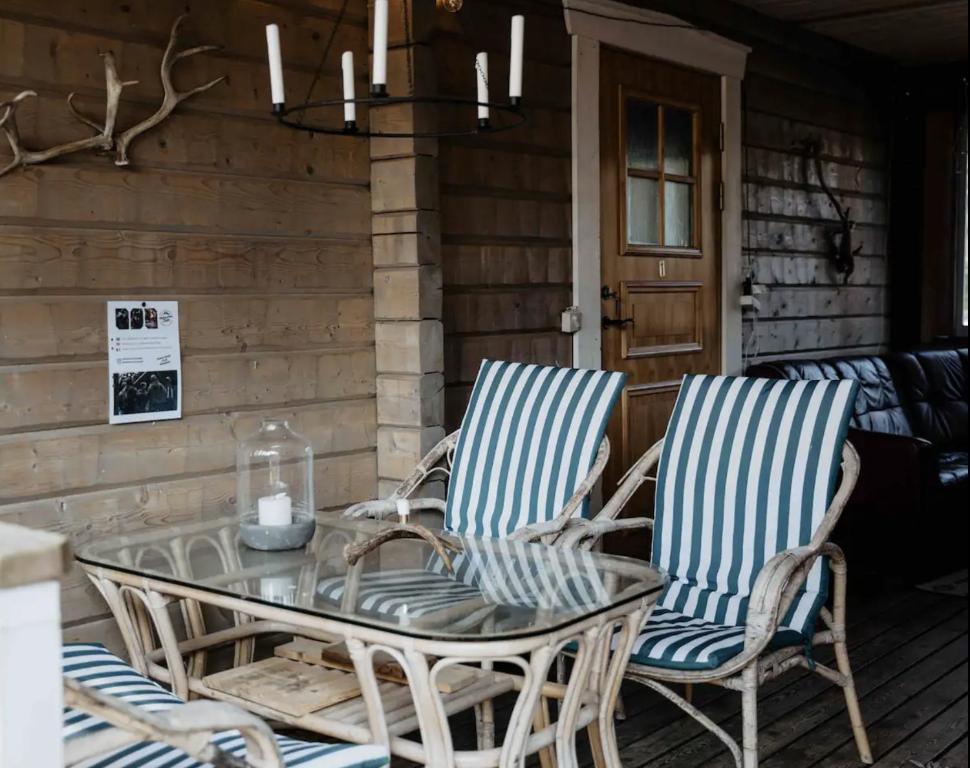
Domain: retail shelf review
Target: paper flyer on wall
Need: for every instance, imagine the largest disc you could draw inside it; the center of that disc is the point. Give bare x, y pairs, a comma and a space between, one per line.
144, 361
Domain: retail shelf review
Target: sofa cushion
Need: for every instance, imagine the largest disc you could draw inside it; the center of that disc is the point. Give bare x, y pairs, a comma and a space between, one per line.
877, 406
933, 386
953, 468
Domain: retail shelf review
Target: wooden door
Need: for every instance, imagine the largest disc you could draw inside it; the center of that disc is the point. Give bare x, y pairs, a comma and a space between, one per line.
660, 166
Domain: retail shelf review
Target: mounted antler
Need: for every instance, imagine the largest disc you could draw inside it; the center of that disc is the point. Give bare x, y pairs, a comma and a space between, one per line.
172, 97
113, 86
105, 139
840, 240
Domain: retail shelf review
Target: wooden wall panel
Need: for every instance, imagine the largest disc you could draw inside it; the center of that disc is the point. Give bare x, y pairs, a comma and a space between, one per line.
808, 310
505, 200
261, 233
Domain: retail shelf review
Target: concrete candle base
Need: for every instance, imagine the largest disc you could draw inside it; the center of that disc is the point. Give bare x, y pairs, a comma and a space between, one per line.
276, 537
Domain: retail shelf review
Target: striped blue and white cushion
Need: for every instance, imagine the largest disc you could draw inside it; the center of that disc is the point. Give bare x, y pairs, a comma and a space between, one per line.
95, 667
512, 574
748, 469
528, 439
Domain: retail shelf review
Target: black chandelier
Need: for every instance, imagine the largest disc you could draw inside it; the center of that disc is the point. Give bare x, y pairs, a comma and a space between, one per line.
485, 107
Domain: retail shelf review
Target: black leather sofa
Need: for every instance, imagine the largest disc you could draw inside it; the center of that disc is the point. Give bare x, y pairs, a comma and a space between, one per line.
908, 515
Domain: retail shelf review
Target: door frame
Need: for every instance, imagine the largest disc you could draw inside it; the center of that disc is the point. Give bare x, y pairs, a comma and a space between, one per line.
591, 23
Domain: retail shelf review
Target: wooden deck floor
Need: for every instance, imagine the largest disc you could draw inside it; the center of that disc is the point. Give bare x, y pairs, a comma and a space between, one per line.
909, 653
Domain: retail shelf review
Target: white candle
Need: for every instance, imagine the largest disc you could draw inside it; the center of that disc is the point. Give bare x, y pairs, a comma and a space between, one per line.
275, 64
347, 65
275, 510
481, 73
404, 619
515, 57
403, 510
379, 77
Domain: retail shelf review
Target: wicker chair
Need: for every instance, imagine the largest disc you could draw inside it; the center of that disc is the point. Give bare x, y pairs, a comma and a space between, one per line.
118, 718
747, 495
529, 451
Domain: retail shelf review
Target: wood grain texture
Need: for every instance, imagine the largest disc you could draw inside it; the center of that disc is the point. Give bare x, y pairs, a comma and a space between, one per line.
505, 201
261, 233
53, 259
788, 221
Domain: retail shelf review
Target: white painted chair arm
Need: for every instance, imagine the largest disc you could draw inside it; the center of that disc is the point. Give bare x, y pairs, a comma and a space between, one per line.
428, 468
774, 590
381, 508
587, 532
188, 727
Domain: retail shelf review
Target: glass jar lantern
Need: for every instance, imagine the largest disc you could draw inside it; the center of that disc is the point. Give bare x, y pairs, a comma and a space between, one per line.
274, 477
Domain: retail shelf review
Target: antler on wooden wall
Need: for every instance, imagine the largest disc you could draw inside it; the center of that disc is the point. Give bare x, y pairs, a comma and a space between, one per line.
105, 139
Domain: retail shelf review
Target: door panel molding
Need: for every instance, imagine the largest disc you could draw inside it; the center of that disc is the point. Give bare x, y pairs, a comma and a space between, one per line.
662, 310
694, 48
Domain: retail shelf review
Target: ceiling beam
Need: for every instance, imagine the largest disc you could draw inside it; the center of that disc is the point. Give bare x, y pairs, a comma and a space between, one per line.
869, 13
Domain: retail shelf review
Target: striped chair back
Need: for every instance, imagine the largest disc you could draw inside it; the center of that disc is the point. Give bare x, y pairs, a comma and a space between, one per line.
748, 469
526, 575
528, 440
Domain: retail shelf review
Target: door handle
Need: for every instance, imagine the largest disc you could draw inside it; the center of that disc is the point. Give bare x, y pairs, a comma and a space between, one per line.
609, 322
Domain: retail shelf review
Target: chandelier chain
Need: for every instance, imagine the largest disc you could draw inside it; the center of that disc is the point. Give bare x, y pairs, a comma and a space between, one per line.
409, 49
323, 57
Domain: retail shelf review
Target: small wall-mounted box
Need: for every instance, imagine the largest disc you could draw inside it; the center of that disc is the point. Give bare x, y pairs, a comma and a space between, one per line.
572, 320
750, 302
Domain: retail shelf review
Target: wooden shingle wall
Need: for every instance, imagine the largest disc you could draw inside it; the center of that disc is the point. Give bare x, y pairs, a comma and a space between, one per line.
808, 310
261, 233
505, 199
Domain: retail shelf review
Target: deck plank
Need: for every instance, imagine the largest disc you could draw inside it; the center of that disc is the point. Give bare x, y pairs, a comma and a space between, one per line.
909, 653
874, 629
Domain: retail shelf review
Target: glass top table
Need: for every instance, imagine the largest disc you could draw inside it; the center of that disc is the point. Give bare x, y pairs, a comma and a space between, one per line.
498, 589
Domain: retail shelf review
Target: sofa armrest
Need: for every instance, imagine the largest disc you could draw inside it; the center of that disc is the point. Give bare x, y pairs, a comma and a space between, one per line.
896, 470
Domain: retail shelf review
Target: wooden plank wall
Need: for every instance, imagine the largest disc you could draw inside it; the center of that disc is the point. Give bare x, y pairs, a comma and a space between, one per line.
808, 311
505, 199
261, 233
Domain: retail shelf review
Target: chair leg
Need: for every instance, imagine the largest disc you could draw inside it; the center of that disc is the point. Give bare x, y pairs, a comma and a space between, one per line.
852, 704
596, 745
485, 724
749, 715
837, 623
541, 719
619, 713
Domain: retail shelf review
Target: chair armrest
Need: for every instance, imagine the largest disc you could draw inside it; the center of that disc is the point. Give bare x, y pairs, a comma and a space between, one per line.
378, 509
774, 589
587, 532
188, 727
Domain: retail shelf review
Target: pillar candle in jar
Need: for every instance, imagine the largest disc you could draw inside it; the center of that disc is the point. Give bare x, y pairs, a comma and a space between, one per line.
515, 57
481, 77
403, 510
347, 65
275, 510
275, 64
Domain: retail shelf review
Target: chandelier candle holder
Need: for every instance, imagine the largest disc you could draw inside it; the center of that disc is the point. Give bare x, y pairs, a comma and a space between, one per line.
274, 488
486, 109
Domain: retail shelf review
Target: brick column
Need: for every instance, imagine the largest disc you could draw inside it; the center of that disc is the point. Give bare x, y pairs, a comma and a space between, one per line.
407, 262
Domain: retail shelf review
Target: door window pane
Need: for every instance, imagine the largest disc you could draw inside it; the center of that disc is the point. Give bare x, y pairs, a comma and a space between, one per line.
658, 155
641, 211
678, 141
678, 216
641, 135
